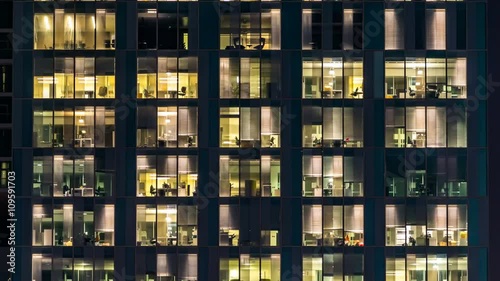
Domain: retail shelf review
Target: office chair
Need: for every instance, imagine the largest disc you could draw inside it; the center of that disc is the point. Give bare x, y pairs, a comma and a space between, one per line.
262, 42
152, 190
182, 93
355, 93
103, 91
237, 43
411, 92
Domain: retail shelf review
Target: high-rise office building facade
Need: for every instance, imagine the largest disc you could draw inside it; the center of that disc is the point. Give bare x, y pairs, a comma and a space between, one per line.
251, 140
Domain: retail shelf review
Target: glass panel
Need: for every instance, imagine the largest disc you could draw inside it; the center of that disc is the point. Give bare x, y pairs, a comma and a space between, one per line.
85, 26
229, 127
312, 126
395, 227
146, 175
105, 29
229, 78
436, 78
395, 127
43, 31
63, 225
312, 219
64, 78
64, 30
146, 126
312, 176
166, 226
415, 78
229, 225
105, 78
167, 126
250, 178
353, 82
395, 79
270, 130
311, 29
270, 171
146, 225
84, 127
42, 176
312, 268
85, 78
188, 175
332, 78
229, 269
42, 225
415, 126
167, 176
457, 78
146, 78
229, 181
333, 226
333, 176
104, 225
311, 79
104, 127
43, 80
354, 225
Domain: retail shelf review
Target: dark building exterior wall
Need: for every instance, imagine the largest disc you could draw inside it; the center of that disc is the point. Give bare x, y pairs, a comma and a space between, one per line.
373, 164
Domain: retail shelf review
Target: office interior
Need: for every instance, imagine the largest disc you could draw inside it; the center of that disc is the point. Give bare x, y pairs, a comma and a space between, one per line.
434, 225
164, 127
167, 225
436, 174
332, 176
332, 126
167, 77
167, 175
73, 225
250, 127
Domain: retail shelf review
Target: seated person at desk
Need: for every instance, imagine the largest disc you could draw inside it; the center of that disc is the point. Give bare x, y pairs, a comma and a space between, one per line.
66, 190
152, 190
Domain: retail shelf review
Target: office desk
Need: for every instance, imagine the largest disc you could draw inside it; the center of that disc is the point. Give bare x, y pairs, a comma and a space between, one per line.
84, 142
83, 192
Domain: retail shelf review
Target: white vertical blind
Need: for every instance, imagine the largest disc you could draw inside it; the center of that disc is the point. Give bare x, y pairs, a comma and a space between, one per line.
436, 216
354, 218
188, 121
250, 118
312, 166
394, 29
348, 33
188, 266
435, 29
270, 120
312, 219
306, 29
